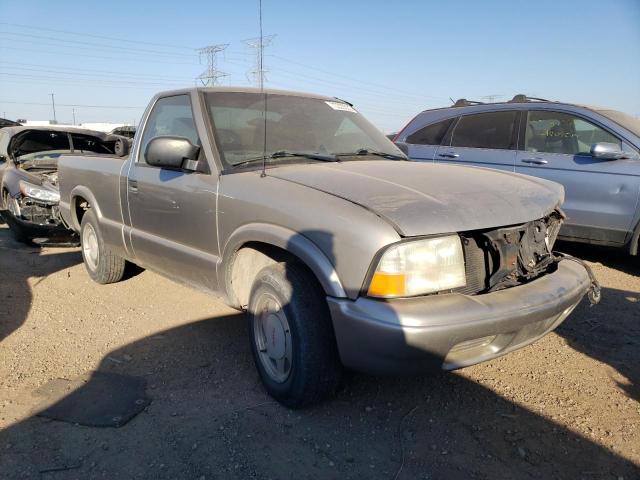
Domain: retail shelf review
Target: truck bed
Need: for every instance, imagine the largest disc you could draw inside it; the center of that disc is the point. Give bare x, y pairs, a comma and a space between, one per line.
97, 180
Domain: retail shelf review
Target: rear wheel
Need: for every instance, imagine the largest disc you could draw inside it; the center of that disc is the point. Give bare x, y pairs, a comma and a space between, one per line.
292, 338
101, 263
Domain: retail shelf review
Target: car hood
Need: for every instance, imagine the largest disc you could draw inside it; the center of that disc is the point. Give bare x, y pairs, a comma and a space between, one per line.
423, 199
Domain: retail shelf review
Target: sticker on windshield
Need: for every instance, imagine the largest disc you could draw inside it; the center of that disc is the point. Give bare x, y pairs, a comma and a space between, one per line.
341, 106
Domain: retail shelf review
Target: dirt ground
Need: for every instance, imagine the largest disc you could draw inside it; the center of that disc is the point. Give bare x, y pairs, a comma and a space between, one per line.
566, 407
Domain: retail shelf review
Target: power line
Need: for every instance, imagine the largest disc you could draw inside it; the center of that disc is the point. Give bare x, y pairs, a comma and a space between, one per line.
103, 37
94, 73
145, 88
101, 57
116, 82
386, 87
358, 88
89, 46
70, 105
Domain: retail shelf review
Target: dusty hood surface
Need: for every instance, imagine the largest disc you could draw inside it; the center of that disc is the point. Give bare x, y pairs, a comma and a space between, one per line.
422, 199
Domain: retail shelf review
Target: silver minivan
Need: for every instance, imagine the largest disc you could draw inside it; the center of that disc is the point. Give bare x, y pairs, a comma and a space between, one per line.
594, 152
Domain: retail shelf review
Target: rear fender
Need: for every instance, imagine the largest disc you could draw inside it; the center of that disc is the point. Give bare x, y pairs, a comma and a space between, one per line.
69, 209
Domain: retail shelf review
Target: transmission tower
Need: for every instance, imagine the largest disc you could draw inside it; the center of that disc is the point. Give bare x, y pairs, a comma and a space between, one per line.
211, 75
258, 73
491, 98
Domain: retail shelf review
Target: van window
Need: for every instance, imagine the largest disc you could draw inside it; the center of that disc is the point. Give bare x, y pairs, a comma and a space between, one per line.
485, 130
556, 132
431, 134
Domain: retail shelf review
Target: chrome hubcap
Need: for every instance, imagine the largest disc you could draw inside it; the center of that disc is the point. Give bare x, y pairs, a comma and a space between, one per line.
273, 338
90, 246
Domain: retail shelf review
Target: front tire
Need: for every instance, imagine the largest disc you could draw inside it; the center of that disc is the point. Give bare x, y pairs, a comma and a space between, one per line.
292, 338
102, 265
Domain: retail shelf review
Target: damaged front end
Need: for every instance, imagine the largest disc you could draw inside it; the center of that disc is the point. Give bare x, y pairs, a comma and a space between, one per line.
506, 257
33, 212
522, 253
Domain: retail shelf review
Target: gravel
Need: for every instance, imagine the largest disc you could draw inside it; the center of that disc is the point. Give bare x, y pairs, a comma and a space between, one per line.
564, 407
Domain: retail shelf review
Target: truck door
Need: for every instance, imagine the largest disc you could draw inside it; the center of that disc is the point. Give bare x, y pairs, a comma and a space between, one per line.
173, 212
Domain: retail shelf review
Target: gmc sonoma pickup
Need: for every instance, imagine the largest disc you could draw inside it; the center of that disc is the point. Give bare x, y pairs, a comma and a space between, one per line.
295, 208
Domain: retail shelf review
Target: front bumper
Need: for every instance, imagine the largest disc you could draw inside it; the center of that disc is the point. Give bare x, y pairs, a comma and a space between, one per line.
54, 232
453, 330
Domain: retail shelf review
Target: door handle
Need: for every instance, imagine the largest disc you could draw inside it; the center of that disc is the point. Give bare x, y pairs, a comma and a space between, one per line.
535, 161
449, 155
133, 185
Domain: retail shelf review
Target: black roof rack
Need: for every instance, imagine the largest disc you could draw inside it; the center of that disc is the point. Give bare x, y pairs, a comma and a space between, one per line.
463, 102
521, 98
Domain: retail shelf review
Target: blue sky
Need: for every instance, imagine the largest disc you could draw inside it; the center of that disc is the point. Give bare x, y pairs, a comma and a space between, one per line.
391, 59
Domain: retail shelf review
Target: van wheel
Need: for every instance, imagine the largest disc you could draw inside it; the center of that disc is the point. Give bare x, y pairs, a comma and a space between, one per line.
292, 338
101, 264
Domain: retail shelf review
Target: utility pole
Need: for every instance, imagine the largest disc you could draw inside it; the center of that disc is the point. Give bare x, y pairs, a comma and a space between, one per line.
73, 112
53, 104
211, 75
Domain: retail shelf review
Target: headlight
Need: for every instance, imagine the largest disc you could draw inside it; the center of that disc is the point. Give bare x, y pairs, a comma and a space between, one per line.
34, 191
419, 267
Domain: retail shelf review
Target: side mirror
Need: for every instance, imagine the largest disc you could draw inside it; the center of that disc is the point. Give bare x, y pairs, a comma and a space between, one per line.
172, 152
607, 151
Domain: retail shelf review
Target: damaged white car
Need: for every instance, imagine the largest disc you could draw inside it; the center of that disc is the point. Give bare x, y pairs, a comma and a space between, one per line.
29, 176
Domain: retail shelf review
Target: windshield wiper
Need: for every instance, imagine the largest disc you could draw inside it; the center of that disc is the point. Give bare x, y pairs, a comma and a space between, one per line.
366, 151
285, 154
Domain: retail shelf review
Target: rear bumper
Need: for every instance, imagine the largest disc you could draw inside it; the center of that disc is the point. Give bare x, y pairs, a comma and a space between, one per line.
453, 330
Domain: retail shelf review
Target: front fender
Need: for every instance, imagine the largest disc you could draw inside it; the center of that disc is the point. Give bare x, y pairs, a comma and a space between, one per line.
295, 243
11, 181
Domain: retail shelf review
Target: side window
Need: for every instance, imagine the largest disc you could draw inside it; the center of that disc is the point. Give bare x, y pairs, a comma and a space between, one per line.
555, 132
485, 130
170, 116
431, 134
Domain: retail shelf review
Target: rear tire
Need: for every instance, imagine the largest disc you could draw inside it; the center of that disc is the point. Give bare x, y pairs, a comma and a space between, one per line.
292, 337
102, 265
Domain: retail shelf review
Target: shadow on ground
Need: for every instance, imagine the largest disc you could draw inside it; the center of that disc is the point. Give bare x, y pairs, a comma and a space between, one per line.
210, 418
18, 263
615, 258
610, 332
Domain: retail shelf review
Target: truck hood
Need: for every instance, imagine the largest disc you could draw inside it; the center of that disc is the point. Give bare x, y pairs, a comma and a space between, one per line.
423, 199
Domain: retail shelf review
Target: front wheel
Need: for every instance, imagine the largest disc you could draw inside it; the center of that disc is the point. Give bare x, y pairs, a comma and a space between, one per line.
292, 338
101, 263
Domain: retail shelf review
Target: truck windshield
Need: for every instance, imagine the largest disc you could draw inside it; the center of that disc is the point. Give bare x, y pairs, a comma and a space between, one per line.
315, 129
